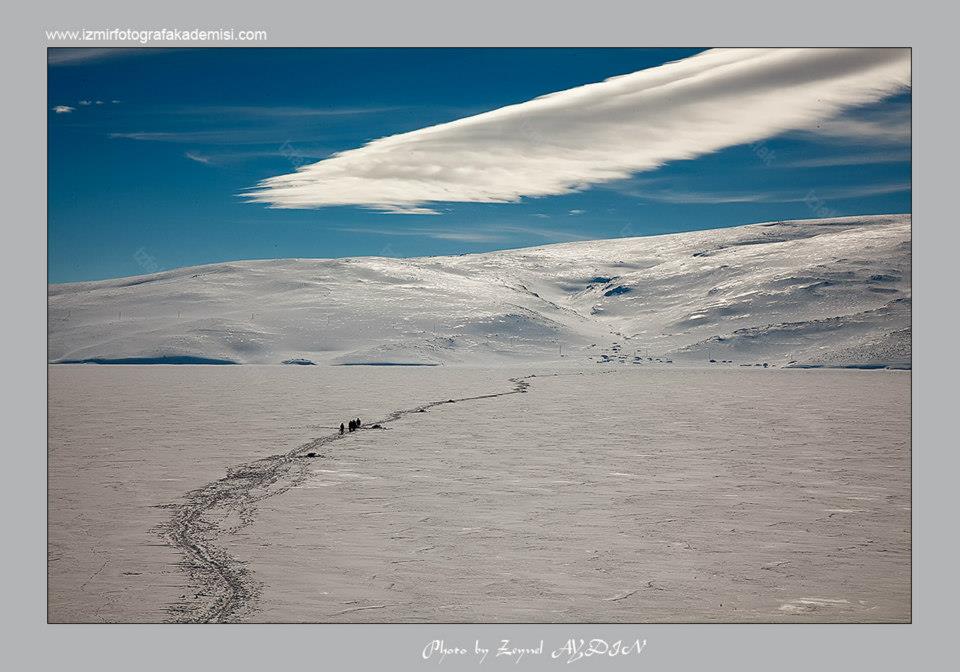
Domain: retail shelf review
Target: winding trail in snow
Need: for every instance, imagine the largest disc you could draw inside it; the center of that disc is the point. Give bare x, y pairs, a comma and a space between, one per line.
225, 589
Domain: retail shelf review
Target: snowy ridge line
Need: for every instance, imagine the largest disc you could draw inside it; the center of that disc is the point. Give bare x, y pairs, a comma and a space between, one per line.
672, 296
225, 589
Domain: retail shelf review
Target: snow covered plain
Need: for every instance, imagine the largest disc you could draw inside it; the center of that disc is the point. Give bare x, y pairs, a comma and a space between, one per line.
831, 292
632, 494
629, 480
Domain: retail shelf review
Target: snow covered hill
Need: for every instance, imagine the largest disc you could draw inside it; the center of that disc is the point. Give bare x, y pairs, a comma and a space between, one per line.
831, 292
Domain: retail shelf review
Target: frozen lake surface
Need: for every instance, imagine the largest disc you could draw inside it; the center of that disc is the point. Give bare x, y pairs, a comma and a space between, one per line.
603, 494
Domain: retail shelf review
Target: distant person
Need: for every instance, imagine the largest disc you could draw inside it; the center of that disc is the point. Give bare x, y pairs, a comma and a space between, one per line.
358, 423
353, 425
341, 428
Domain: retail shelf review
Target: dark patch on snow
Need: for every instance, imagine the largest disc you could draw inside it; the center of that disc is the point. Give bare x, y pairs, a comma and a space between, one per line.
299, 361
866, 366
387, 364
137, 281
619, 289
884, 277
171, 359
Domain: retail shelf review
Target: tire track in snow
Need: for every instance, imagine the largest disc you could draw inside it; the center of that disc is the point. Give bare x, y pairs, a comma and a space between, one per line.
225, 589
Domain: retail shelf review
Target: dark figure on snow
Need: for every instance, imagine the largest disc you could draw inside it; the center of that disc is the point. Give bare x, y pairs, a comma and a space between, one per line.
341, 428
358, 423
353, 426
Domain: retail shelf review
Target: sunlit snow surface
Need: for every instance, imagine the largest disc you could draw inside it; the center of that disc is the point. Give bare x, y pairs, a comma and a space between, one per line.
833, 292
615, 494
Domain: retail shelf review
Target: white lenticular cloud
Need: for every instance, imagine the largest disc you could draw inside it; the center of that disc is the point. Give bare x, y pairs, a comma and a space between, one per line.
570, 140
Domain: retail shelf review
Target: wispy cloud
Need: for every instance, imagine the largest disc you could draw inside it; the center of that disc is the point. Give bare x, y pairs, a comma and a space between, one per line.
465, 235
538, 232
888, 127
407, 210
568, 141
213, 137
64, 109
199, 158
858, 159
270, 139
277, 130
497, 233
221, 157
766, 196
269, 111
82, 55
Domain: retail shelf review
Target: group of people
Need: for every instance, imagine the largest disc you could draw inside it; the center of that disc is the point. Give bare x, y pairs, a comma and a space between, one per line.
353, 425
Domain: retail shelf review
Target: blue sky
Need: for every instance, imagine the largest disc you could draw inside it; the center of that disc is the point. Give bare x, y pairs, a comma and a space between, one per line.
153, 176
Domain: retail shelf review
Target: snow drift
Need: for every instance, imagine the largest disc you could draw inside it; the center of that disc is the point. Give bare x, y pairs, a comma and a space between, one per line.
830, 292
